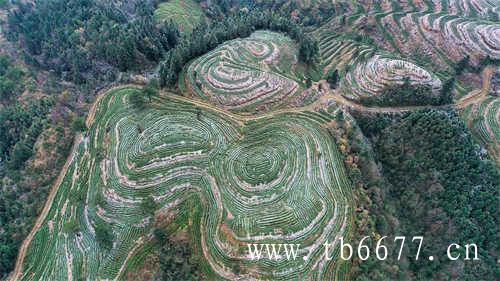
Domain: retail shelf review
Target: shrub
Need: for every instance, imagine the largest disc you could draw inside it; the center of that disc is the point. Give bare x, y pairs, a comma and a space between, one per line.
78, 125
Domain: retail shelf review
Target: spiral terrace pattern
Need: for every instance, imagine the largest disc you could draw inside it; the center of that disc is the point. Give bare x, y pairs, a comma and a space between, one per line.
371, 77
276, 179
367, 72
247, 75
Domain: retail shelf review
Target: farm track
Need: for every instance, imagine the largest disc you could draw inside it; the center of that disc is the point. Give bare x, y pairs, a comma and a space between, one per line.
305, 122
473, 98
18, 270
476, 96
16, 274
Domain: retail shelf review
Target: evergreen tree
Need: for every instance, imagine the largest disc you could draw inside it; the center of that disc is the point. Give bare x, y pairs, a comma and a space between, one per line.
333, 79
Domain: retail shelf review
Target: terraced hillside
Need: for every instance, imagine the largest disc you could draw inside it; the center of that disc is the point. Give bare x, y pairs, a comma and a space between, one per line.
366, 72
244, 153
276, 178
428, 37
249, 75
446, 30
373, 76
484, 121
185, 13
340, 53
376, 44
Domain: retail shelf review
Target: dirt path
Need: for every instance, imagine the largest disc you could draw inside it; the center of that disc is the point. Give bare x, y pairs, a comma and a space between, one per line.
18, 270
473, 97
477, 96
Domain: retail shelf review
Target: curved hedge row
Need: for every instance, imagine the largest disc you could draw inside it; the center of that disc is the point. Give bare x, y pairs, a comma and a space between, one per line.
249, 75
485, 123
373, 76
275, 179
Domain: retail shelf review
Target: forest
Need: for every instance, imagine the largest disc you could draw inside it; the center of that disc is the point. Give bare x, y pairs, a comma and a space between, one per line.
20, 126
428, 172
85, 40
409, 95
240, 25
430, 165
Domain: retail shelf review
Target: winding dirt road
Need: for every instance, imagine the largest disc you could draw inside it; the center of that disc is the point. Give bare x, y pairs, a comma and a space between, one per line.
474, 97
18, 270
477, 96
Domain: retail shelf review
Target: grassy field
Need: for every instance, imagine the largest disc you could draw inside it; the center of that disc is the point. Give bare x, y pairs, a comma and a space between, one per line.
185, 13
273, 179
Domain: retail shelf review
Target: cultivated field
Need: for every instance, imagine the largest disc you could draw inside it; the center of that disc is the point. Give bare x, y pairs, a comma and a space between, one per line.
364, 72
484, 121
277, 178
446, 30
185, 13
241, 157
370, 78
249, 75
425, 40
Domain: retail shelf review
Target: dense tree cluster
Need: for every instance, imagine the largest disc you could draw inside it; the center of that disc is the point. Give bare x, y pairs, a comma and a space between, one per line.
333, 78
78, 125
438, 187
307, 14
464, 65
20, 126
104, 236
10, 77
86, 39
239, 25
409, 95
177, 262
139, 99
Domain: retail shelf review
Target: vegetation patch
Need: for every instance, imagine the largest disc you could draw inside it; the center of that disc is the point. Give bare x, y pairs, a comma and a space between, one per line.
437, 185
250, 75
406, 95
83, 41
275, 179
484, 122
186, 14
